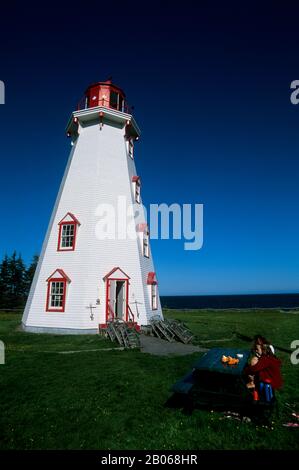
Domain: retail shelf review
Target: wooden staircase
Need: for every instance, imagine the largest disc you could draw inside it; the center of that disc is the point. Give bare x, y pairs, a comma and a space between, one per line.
162, 330
180, 331
125, 335
171, 330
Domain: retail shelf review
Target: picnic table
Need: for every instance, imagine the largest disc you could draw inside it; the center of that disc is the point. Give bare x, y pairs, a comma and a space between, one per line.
211, 361
214, 383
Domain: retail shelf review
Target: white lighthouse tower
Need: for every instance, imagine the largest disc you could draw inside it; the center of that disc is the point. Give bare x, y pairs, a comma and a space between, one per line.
86, 279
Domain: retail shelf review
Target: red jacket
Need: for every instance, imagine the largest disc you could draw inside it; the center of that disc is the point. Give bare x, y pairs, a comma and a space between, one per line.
268, 370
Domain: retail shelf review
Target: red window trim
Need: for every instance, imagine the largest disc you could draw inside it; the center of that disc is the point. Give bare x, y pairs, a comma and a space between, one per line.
74, 222
61, 272
151, 278
69, 214
65, 279
72, 248
142, 227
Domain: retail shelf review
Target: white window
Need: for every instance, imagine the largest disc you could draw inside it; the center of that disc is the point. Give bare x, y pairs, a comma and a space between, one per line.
154, 296
67, 236
68, 228
56, 291
137, 191
146, 243
136, 188
131, 147
56, 294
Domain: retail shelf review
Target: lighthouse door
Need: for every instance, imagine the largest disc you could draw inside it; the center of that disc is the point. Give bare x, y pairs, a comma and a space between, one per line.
117, 298
111, 289
117, 295
120, 300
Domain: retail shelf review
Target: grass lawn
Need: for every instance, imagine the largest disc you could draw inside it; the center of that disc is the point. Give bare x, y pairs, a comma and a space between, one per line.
115, 399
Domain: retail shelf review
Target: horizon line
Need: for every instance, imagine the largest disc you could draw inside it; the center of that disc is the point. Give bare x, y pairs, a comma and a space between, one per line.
228, 295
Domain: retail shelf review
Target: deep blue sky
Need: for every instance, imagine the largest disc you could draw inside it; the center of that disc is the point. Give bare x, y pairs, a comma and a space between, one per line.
210, 86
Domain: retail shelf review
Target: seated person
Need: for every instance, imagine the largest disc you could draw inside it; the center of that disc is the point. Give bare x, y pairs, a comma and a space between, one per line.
266, 370
257, 352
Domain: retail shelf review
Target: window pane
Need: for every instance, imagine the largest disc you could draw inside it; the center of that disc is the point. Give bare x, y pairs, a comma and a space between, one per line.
113, 99
154, 297
146, 244
57, 294
137, 191
67, 236
131, 148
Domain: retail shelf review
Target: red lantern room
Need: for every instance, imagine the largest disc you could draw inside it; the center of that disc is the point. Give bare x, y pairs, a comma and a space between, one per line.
104, 94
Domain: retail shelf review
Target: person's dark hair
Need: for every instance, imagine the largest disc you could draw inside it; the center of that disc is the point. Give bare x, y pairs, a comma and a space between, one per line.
259, 339
264, 344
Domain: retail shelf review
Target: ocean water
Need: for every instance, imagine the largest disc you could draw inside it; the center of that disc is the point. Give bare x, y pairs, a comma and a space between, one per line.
284, 301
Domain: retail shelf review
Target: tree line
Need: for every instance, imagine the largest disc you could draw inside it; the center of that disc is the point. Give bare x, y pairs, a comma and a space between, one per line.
15, 280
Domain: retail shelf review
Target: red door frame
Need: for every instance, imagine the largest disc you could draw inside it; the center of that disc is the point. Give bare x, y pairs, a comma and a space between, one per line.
108, 279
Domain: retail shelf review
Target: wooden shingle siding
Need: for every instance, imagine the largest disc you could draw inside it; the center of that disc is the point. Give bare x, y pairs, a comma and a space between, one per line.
99, 170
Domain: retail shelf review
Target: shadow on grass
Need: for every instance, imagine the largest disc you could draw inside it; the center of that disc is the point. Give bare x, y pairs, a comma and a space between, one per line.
260, 413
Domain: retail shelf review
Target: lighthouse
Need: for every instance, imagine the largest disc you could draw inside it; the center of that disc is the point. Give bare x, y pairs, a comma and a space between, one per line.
92, 270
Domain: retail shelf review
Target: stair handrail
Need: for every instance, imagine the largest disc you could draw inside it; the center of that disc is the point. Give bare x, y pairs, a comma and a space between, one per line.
111, 313
130, 312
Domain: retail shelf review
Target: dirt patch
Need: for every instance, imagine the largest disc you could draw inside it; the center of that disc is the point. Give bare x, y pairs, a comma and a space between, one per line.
160, 347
